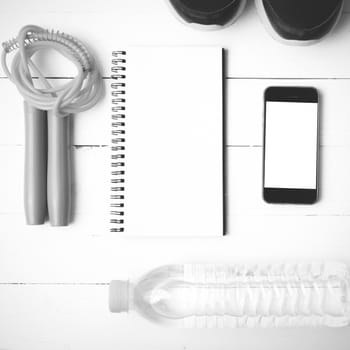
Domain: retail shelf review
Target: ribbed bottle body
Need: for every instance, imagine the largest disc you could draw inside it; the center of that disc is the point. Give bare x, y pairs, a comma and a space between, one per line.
210, 295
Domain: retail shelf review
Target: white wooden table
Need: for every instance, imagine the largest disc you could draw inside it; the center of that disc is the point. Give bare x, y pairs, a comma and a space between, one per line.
53, 281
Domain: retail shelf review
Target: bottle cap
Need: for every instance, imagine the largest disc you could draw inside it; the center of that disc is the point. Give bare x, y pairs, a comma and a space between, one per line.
119, 296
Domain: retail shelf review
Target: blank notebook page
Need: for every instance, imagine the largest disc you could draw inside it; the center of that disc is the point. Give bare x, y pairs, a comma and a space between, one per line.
173, 142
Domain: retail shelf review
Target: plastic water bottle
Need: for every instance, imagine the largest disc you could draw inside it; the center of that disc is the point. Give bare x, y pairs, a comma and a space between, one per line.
284, 295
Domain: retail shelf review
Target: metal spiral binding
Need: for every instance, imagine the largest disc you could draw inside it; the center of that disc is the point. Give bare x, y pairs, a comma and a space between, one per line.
118, 140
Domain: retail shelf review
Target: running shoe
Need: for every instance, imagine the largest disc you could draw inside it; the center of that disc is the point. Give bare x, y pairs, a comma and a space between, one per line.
299, 21
208, 14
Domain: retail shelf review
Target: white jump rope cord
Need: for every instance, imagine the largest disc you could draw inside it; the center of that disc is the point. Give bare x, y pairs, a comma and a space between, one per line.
79, 94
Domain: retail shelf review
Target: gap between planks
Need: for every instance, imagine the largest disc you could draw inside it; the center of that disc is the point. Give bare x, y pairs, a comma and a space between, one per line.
54, 284
226, 146
226, 78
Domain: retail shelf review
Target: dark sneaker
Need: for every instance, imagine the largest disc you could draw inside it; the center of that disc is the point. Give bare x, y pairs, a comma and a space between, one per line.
299, 21
212, 14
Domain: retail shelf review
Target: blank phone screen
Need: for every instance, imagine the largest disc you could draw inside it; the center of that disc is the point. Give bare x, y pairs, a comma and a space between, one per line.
290, 145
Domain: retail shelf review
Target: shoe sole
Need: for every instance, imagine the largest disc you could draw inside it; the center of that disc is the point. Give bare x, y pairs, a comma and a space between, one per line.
208, 27
266, 22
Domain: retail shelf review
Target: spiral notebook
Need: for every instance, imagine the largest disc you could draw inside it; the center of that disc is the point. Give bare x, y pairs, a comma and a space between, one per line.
167, 146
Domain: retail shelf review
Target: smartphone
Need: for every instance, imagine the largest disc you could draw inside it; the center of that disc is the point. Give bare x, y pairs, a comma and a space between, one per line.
290, 145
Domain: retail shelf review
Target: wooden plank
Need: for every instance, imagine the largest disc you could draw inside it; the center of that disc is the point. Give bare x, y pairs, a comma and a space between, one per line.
90, 179
85, 253
91, 182
94, 6
76, 317
245, 109
245, 184
257, 55
244, 113
89, 128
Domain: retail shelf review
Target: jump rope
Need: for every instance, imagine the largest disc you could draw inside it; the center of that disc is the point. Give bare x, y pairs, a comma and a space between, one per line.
47, 111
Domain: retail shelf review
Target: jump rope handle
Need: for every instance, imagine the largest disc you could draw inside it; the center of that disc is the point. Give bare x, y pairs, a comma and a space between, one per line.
35, 199
58, 170
47, 184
